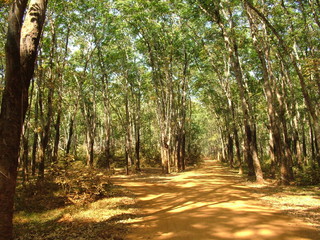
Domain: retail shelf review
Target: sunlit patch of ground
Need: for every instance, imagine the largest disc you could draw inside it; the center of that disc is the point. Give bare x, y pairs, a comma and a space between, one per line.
303, 202
208, 203
104, 219
87, 211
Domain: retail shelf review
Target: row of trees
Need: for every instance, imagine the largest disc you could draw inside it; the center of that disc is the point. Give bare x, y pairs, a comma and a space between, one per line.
141, 82
267, 70
113, 86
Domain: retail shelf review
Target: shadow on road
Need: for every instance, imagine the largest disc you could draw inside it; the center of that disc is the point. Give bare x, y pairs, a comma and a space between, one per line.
207, 203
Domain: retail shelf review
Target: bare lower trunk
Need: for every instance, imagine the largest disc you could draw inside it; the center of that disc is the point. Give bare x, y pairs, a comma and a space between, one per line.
90, 149
70, 134
238, 151
57, 138
247, 150
107, 153
230, 150
34, 153
21, 51
256, 161
223, 146
165, 159
137, 150
25, 156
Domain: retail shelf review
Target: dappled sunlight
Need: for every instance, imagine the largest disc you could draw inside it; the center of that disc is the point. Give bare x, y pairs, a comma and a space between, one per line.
103, 219
49, 215
208, 203
187, 206
103, 210
151, 196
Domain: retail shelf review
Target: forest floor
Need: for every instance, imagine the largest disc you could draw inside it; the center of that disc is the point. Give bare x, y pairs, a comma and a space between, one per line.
208, 202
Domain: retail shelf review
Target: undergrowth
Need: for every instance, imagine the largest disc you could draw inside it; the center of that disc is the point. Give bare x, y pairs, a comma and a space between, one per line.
309, 176
72, 203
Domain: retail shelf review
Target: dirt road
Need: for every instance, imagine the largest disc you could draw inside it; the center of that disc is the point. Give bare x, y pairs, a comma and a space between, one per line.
207, 203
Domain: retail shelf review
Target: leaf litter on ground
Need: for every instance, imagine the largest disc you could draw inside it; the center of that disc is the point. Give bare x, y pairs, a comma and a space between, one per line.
301, 201
80, 203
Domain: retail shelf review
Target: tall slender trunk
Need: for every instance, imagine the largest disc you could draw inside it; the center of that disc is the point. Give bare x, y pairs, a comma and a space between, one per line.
223, 145
230, 149
137, 149
35, 137
60, 88
57, 137
46, 119
238, 151
90, 148
165, 156
25, 140
137, 126
304, 144
70, 134
45, 134
251, 150
25, 155
107, 141
128, 137
106, 104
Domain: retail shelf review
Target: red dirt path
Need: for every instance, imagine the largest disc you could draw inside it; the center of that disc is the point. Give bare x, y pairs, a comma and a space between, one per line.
207, 203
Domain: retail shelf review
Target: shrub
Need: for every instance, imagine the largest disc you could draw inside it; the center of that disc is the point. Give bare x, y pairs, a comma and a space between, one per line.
310, 175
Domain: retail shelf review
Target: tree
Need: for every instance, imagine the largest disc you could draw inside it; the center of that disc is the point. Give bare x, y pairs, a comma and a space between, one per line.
23, 37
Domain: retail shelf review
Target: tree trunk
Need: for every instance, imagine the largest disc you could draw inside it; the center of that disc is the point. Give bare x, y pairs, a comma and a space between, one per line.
107, 127
46, 119
223, 145
57, 137
90, 149
137, 149
137, 123
304, 144
25, 155
165, 157
230, 150
35, 137
21, 49
45, 134
106, 102
70, 134
128, 137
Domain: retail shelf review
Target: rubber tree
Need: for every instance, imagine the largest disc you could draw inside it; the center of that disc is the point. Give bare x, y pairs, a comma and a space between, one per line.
25, 22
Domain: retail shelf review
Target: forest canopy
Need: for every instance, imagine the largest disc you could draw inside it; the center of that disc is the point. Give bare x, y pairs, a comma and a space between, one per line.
125, 83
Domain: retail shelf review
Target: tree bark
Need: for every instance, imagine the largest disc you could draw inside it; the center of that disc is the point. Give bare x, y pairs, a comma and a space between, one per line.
21, 50
70, 134
137, 126
57, 137
35, 137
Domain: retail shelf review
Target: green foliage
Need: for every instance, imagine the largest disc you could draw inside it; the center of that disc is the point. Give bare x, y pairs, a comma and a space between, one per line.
310, 175
99, 55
